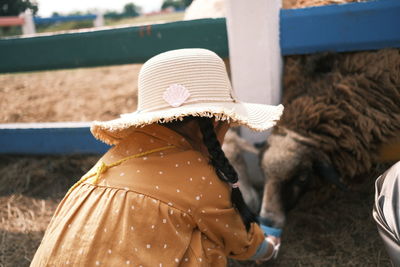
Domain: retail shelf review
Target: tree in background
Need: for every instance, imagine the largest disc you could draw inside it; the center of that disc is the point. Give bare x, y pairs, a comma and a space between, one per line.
187, 2
131, 10
176, 4
16, 7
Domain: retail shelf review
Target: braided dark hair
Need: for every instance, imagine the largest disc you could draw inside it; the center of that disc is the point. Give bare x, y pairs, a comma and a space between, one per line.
224, 169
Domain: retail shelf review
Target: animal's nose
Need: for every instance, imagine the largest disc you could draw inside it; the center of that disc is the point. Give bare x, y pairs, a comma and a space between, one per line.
266, 221
266, 226
272, 219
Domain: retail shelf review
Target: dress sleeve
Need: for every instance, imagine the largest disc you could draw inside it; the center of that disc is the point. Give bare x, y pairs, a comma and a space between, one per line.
221, 223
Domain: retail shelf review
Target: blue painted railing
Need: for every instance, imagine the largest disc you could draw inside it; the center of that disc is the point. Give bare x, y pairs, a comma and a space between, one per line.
39, 20
339, 28
49, 138
348, 27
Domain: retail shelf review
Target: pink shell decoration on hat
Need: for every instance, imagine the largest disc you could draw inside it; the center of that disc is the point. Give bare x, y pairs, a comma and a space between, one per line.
176, 95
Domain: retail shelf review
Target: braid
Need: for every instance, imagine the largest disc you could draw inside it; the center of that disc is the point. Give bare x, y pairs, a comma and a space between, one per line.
224, 169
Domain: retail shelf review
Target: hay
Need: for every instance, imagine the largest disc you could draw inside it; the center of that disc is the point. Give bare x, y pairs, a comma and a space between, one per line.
41, 176
339, 231
31, 188
23, 221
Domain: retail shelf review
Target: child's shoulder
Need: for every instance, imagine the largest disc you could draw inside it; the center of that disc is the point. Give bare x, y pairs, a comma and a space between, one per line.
188, 159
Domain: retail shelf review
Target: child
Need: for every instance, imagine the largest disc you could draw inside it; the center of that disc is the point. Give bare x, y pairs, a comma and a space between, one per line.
165, 194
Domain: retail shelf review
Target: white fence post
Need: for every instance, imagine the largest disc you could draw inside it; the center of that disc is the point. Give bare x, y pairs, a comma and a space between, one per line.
29, 25
255, 58
254, 52
99, 21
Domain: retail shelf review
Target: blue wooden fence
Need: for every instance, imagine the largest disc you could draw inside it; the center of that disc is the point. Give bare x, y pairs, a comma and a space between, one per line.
339, 28
49, 138
348, 27
54, 19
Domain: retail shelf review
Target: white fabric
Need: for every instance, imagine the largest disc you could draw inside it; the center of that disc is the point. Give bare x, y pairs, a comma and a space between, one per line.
386, 211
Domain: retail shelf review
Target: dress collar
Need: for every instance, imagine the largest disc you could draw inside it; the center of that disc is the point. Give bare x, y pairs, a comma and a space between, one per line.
169, 136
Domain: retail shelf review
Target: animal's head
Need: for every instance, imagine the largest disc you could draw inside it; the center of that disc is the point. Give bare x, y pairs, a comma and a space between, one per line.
292, 165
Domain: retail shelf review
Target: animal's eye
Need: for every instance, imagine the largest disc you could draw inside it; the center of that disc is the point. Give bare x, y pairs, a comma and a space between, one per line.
302, 178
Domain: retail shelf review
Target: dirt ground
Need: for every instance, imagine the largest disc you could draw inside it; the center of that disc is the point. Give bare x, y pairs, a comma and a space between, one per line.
30, 190
334, 230
68, 95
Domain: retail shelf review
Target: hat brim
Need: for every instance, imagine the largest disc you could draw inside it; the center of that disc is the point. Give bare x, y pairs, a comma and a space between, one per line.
258, 117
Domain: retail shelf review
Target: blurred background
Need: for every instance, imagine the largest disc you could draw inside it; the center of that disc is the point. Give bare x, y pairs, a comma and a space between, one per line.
114, 12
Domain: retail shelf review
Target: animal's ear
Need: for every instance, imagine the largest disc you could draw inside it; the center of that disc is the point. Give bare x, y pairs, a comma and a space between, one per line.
328, 173
242, 143
246, 146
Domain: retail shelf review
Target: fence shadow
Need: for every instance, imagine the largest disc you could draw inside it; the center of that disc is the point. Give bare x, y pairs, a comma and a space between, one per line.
42, 176
17, 249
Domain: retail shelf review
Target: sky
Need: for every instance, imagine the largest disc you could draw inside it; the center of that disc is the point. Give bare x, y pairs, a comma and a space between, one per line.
47, 7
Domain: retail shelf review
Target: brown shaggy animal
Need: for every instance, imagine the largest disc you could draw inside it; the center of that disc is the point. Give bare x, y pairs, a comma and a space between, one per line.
339, 109
349, 104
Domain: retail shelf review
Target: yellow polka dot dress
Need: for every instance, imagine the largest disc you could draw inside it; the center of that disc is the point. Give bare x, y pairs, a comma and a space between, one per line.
166, 208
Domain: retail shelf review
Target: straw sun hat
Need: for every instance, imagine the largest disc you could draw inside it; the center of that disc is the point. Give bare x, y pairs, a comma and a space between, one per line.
185, 82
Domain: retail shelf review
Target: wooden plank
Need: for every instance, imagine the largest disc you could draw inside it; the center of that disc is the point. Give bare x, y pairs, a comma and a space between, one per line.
339, 28
254, 53
39, 20
110, 47
49, 138
29, 26
11, 21
255, 64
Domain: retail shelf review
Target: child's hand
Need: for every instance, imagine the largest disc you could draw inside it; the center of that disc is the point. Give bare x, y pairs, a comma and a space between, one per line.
273, 238
273, 248
271, 231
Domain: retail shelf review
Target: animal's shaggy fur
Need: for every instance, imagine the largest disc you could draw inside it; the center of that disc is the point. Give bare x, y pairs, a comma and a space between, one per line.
348, 104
